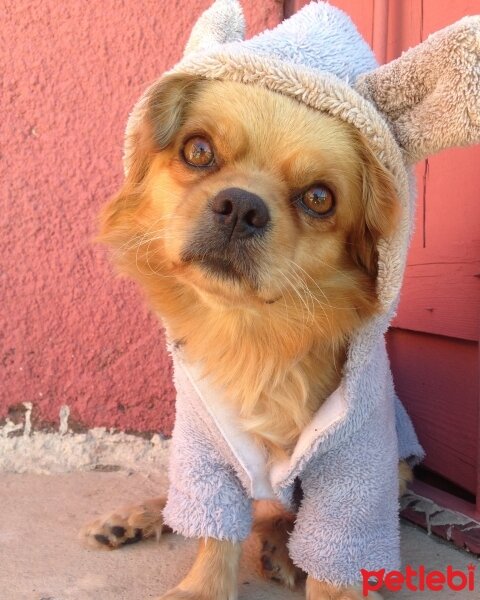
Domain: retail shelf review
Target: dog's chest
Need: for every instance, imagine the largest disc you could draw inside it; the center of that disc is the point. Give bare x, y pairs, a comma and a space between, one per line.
261, 476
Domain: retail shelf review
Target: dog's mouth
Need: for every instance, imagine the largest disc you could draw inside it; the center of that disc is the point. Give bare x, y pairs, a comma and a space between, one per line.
233, 279
233, 269
220, 267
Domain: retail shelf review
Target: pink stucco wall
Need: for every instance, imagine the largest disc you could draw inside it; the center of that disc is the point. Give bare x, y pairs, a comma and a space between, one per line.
70, 333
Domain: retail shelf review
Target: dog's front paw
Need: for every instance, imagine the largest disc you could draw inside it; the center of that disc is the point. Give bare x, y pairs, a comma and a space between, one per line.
126, 525
320, 590
276, 563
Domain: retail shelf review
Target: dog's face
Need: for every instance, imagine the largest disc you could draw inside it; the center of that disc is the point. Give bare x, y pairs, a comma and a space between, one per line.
250, 198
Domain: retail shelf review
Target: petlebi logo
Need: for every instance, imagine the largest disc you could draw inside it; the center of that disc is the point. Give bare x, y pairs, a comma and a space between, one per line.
419, 580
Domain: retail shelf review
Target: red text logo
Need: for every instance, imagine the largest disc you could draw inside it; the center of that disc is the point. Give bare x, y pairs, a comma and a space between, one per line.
419, 580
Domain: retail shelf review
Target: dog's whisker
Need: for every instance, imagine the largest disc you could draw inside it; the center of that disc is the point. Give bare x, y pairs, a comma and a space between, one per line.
291, 286
148, 231
302, 286
313, 298
342, 273
138, 240
329, 304
296, 265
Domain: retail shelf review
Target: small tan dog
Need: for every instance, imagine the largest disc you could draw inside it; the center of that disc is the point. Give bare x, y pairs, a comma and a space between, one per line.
267, 212
247, 216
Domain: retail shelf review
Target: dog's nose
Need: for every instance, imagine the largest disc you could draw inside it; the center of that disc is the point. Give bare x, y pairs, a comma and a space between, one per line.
241, 213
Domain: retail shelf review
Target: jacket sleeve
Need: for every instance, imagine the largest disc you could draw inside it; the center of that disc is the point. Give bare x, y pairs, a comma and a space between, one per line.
409, 448
205, 498
348, 518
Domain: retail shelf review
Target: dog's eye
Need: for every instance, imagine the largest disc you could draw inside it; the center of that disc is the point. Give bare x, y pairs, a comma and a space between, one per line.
198, 152
318, 200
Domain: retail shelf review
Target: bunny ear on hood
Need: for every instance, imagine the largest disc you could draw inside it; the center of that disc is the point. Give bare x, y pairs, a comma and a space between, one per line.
431, 94
222, 23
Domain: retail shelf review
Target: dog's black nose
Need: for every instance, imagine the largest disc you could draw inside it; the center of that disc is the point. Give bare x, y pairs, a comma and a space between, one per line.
240, 213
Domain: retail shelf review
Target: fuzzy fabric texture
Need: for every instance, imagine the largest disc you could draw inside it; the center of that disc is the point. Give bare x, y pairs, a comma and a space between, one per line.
346, 458
221, 24
346, 462
430, 94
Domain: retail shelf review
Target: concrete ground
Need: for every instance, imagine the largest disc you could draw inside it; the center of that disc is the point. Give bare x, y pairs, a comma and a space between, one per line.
41, 559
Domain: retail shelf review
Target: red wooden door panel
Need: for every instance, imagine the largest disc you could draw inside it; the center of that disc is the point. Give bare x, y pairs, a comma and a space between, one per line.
434, 342
437, 377
433, 376
441, 293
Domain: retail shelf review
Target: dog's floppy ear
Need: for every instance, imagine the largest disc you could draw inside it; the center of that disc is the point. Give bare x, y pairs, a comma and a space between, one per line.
167, 107
223, 22
151, 128
157, 116
431, 94
381, 211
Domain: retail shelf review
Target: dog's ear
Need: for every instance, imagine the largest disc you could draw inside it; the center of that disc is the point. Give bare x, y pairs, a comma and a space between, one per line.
151, 128
158, 115
381, 211
168, 106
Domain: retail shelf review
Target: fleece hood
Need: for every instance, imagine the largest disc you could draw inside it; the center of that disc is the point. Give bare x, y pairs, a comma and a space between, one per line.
423, 102
346, 459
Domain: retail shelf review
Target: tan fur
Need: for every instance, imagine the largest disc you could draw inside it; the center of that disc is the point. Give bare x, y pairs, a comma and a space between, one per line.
287, 356
405, 476
213, 575
278, 346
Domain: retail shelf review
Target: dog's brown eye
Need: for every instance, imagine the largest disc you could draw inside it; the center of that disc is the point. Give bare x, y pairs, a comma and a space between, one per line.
319, 200
198, 152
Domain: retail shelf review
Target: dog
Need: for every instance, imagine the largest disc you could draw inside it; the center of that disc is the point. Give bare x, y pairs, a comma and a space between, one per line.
251, 222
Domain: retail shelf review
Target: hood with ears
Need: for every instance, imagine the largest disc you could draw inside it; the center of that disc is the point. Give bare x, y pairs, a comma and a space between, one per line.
423, 102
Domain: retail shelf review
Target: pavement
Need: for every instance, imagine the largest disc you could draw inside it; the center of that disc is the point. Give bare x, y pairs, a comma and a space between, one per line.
41, 558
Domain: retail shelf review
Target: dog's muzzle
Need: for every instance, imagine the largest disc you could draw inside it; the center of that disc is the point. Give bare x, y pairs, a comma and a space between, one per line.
239, 214
230, 234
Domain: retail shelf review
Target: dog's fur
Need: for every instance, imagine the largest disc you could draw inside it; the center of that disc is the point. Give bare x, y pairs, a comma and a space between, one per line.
268, 318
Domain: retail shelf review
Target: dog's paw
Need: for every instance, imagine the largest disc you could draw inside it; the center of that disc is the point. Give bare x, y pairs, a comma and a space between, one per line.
276, 563
127, 525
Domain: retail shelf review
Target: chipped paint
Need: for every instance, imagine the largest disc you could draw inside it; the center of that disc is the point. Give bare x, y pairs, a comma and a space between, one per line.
64, 414
452, 526
434, 514
24, 450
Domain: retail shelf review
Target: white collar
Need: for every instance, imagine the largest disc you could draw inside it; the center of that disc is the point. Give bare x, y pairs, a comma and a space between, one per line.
251, 457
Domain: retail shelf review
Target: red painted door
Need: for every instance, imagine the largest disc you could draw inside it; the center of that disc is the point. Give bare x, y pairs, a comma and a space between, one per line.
434, 340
